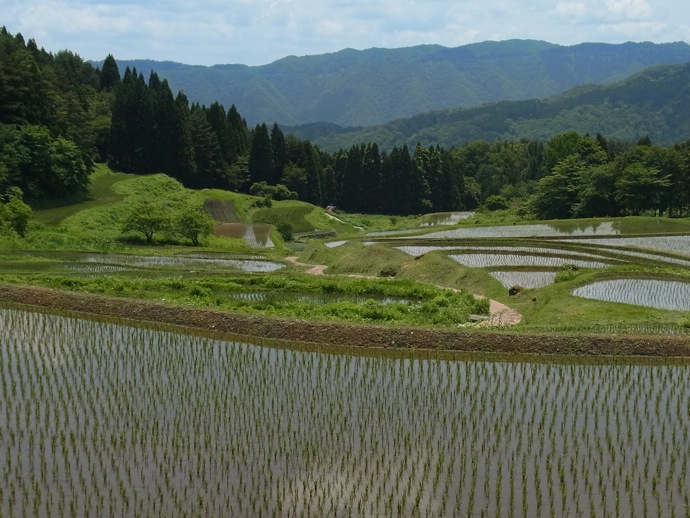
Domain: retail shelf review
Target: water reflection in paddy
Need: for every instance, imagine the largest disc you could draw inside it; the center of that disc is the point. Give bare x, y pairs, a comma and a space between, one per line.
132, 421
249, 265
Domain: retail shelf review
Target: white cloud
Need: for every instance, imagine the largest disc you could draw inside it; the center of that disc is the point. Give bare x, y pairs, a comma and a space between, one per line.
260, 31
629, 8
577, 9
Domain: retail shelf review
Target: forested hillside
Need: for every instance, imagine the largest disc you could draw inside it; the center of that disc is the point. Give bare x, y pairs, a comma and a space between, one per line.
374, 86
59, 115
653, 103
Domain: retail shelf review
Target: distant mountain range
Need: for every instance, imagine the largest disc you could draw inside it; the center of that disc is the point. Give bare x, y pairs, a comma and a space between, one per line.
371, 87
654, 103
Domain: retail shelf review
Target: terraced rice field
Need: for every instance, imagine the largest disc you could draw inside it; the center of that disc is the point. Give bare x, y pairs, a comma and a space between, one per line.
256, 235
653, 293
491, 260
108, 420
673, 244
539, 230
552, 246
529, 280
248, 265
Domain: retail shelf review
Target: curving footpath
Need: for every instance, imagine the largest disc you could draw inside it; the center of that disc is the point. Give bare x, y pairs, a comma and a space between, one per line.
499, 313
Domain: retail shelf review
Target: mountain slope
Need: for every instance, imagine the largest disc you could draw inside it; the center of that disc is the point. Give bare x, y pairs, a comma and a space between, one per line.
654, 103
364, 88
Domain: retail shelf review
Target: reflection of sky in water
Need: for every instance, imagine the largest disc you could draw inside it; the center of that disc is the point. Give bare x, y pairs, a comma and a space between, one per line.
248, 265
317, 433
486, 260
674, 244
421, 250
650, 293
540, 230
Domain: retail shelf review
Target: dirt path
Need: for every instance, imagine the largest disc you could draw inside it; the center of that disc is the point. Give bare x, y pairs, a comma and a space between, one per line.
313, 269
502, 315
499, 314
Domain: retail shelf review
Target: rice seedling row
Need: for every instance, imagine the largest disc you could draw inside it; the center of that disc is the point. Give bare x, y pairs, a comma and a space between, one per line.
528, 280
109, 420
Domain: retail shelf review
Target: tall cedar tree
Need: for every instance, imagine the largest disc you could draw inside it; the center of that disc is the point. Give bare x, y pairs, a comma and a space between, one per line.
109, 74
240, 138
210, 168
261, 167
128, 131
218, 120
280, 152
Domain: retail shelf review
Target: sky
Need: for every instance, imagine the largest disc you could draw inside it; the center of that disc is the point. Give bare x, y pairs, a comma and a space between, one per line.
258, 32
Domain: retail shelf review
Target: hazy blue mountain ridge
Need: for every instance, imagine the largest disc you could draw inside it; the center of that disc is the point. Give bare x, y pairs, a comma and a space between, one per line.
370, 87
653, 103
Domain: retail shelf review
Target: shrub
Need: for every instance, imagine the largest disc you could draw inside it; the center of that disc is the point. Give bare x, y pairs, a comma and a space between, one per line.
495, 202
388, 271
567, 272
193, 223
148, 218
14, 213
285, 230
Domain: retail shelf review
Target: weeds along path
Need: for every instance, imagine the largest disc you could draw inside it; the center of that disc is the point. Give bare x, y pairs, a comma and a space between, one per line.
499, 313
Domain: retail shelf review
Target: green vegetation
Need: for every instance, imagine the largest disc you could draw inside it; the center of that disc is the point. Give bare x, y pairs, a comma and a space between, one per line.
183, 423
140, 127
14, 213
423, 192
624, 111
118, 420
293, 213
374, 86
98, 226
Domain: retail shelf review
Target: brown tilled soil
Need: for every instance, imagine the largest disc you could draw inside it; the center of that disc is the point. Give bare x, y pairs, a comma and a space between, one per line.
341, 334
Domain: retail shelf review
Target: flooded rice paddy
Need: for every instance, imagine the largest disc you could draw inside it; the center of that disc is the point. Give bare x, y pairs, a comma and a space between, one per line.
100, 419
147, 261
651, 293
539, 230
529, 280
276, 297
481, 260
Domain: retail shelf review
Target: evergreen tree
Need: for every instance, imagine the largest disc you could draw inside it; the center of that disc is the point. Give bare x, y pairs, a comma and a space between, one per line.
352, 182
210, 167
240, 139
109, 74
371, 178
218, 120
261, 167
314, 174
399, 183
128, 130
280, 152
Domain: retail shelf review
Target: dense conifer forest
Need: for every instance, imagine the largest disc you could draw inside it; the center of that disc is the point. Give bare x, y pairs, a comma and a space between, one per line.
59, 115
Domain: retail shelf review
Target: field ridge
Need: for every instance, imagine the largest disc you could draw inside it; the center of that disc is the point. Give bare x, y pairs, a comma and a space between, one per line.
339, 334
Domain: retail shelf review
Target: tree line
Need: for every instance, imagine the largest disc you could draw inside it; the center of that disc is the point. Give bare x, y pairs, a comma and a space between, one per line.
60, 115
